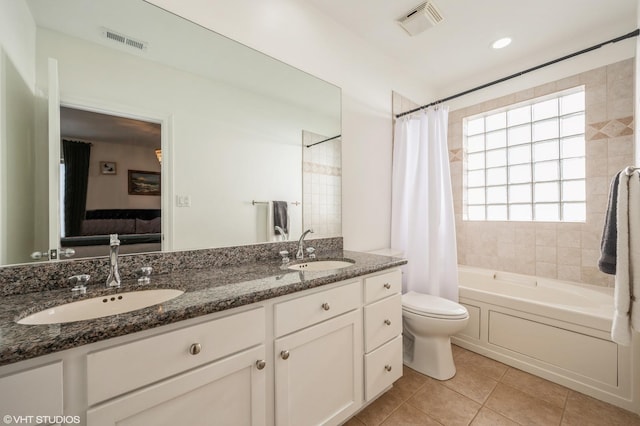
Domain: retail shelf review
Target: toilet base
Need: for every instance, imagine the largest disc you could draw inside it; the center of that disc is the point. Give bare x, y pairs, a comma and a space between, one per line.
432, 357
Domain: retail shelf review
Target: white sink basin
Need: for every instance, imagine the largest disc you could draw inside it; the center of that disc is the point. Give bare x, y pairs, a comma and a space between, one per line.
102, 306
321, 265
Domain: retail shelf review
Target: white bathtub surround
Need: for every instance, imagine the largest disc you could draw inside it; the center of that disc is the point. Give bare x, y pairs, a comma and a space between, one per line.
627, 282
557, 330
422, 218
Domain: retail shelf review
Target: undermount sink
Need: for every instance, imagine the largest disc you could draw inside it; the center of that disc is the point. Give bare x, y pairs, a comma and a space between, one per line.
321, 265
103, 306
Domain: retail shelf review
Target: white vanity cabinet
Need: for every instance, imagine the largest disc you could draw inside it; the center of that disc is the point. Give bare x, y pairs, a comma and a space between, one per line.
318, 366
382, 332
312, 357
210, 373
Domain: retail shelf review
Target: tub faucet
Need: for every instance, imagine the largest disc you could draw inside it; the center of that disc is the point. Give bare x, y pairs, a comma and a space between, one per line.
114, 276
300, 252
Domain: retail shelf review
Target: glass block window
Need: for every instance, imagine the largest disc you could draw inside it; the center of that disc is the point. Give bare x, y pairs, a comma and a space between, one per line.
526, 162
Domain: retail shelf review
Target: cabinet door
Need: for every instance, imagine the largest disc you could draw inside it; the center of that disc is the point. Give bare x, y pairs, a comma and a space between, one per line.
30, 393
318, 372
231, 391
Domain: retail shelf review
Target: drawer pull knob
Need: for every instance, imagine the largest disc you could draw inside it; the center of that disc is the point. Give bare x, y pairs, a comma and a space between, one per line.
387, 286
284, 354
387, 322
387, 367
195, 349
326, 306
260, 364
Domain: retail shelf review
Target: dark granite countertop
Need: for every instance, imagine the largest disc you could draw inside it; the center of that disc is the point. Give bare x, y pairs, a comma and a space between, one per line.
205, 291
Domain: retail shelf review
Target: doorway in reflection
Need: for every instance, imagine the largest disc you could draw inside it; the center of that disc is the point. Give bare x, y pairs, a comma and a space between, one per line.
110, 183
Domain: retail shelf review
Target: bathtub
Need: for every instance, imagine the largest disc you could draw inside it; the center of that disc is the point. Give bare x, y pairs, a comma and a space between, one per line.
554, 329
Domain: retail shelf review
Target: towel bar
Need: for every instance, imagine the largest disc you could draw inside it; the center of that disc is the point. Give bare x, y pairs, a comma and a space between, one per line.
254, 202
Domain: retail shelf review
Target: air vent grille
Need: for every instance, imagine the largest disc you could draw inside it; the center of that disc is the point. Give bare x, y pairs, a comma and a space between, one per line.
433, 12
123, 39
424, 16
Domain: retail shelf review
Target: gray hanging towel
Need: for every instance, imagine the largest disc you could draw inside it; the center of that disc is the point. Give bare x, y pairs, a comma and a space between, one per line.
280, 215
607, 261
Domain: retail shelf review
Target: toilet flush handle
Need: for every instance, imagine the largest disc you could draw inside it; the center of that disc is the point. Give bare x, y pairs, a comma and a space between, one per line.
387, 322
387, 286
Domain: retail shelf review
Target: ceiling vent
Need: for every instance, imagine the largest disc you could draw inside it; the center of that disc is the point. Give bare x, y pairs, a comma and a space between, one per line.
421, 18
124, 40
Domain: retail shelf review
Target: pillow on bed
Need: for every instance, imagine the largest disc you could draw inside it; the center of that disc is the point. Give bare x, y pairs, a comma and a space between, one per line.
108, 226
148, 226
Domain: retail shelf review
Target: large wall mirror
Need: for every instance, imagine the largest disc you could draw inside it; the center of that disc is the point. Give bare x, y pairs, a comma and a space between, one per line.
171, 135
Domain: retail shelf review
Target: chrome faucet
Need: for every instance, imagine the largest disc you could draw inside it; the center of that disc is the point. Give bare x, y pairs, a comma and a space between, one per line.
300, 252
114, 276
285, 236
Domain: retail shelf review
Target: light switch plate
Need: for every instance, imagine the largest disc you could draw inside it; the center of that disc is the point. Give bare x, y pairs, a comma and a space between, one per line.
183, 200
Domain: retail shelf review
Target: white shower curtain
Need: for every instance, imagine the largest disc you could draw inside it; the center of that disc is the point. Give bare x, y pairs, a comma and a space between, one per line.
422, 216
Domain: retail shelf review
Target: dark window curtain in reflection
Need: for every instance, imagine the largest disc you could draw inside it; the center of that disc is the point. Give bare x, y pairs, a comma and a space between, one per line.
76, 175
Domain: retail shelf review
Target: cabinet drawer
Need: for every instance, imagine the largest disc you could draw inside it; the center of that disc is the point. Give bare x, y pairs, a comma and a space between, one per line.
382, 321
230, 391
299, 313
120, 369
382, 367
383, 285
35, 392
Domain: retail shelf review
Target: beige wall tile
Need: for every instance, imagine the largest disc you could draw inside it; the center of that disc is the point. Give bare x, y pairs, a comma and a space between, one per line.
590, 257
569, 238
546, 254
620, 70
568, 83
546, 237
595, 94
545, 89
524, 95
569, 256
596, 76
563, 250
621, 146
598, 185
591, 275
548, 270
619, 107
596, 112
569, 273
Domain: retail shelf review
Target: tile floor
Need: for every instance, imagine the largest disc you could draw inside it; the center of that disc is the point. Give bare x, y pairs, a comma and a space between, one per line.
485, 392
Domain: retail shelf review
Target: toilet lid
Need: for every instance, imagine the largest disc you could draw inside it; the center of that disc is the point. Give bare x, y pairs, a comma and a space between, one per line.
428, 305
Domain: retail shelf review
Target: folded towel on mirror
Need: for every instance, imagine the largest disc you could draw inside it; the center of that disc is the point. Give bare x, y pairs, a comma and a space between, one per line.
281, 217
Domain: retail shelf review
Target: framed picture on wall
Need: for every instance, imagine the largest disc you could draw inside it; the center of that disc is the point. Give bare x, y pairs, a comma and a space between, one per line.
108, 168
144, 183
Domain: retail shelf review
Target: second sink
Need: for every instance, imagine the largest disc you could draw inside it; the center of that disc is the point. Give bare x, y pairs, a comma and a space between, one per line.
321, 265
98, 307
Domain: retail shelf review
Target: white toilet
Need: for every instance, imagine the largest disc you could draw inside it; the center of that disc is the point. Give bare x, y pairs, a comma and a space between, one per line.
430, 322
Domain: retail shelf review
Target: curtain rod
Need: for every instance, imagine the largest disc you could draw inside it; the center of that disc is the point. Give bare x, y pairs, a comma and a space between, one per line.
323, 141
634, 33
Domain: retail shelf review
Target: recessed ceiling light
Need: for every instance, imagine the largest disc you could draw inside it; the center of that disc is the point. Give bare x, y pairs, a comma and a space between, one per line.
503, 42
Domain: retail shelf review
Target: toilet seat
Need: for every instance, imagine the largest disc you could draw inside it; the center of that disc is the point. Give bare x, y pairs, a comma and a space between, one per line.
432, 306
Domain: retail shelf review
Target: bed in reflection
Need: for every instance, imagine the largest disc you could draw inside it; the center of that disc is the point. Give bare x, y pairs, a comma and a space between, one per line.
139, 231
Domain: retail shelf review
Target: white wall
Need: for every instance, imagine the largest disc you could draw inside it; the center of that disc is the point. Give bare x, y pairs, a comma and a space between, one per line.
18, 38
17, 156
301, 36
112, 191
214, 127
